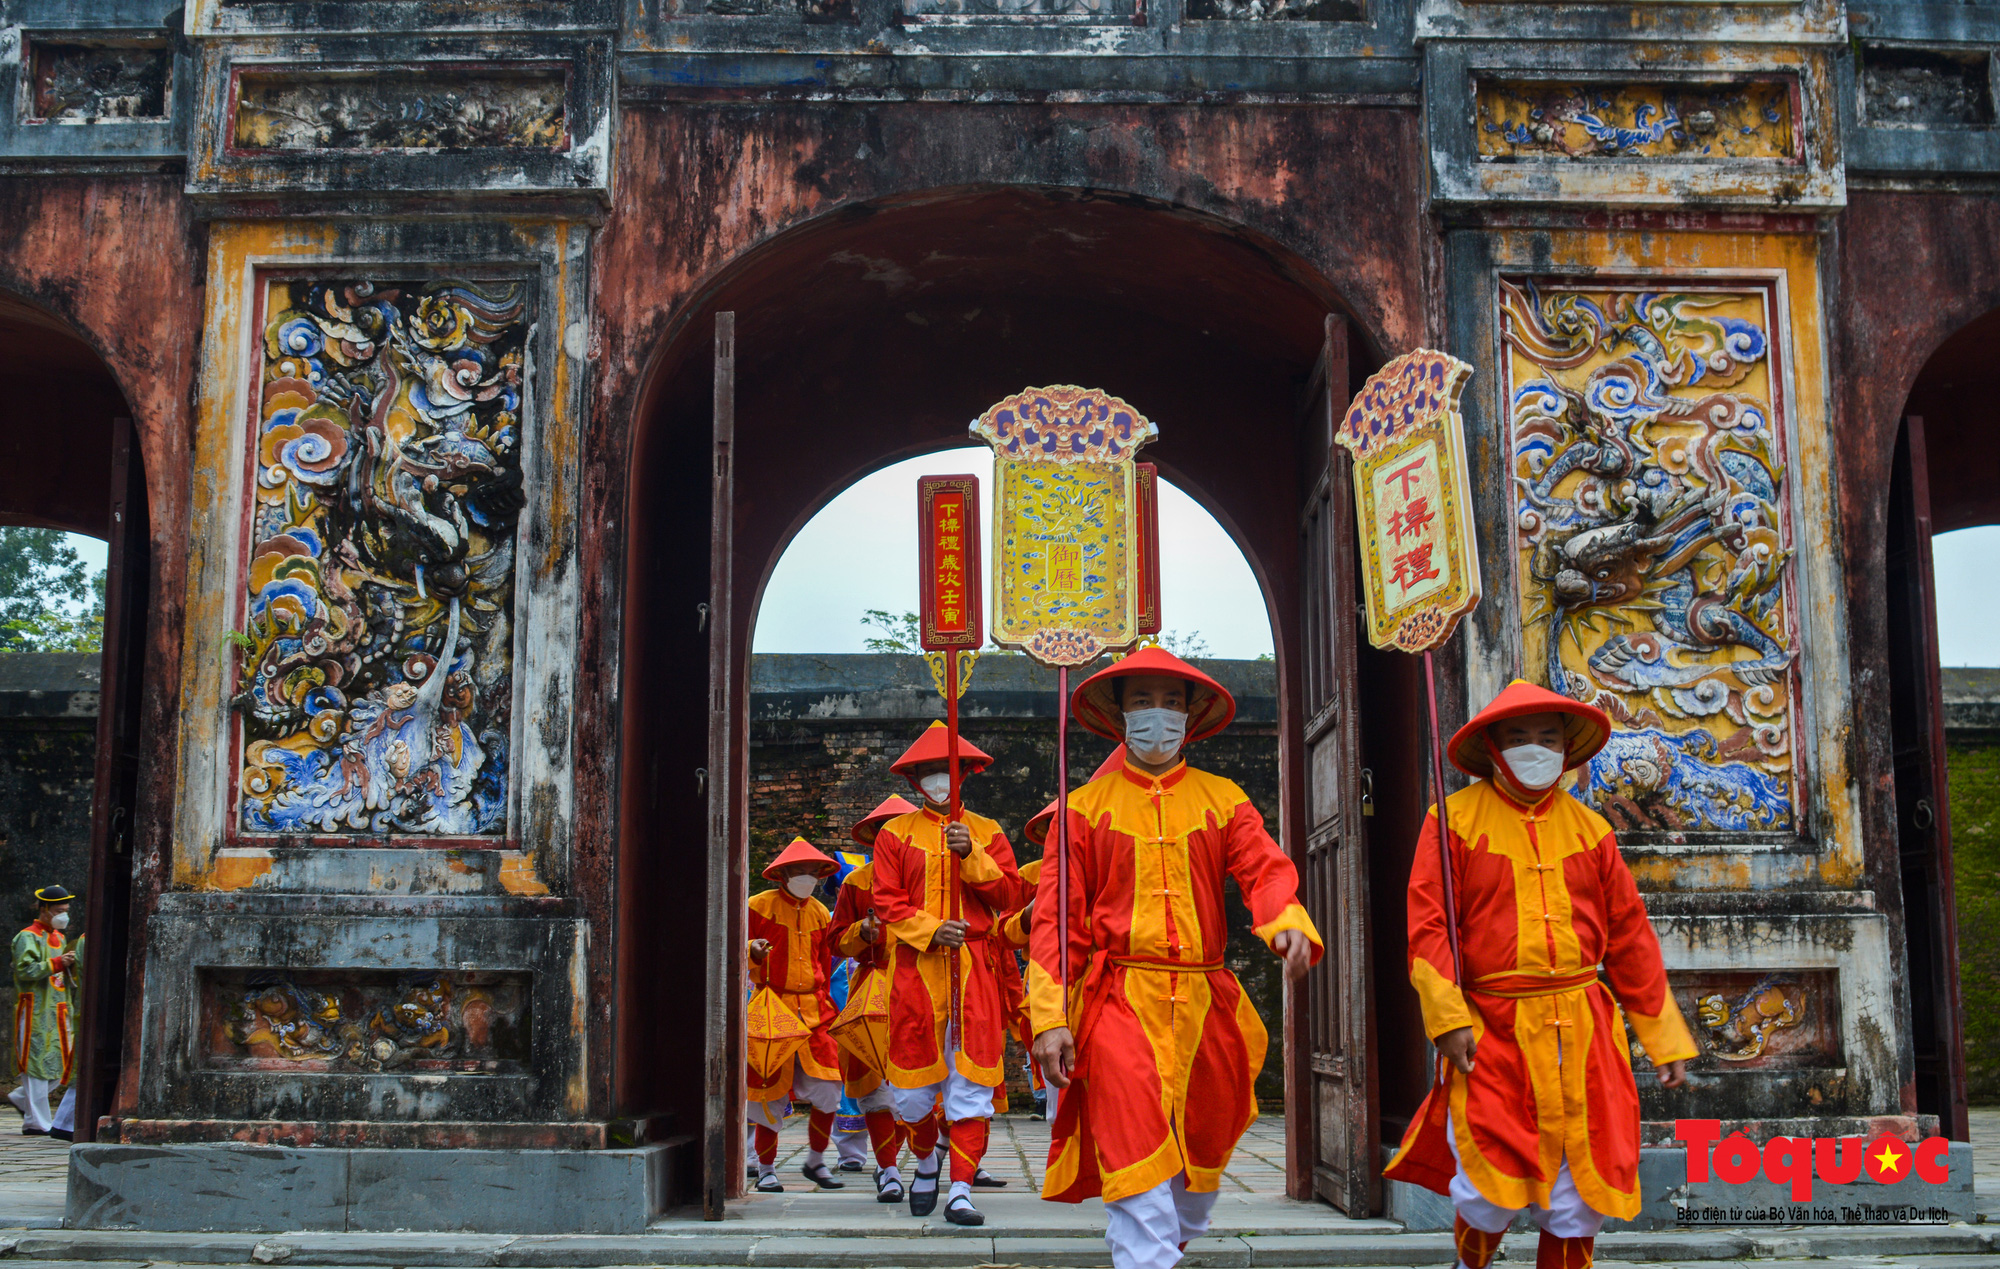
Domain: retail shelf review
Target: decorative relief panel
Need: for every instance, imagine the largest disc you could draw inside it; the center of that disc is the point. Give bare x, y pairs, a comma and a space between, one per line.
1537, 119
1652, 529
1080, 11
1756, 1020
402, 109
87, 83
366, 1021
376, 673
1277, 10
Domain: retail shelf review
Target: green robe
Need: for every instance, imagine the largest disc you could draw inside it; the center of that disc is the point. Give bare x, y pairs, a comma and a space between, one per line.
44, 1018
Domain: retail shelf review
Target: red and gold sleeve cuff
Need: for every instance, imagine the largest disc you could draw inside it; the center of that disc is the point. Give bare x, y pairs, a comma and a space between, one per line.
1294, 917
1665, 1035
1442, 1002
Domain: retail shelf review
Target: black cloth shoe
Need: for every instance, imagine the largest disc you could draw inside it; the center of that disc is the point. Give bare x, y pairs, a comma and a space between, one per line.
924, 1202
34, 1132
820, 1175
770, 1184
849, 1165
960, 1211
62, 1134
984, 1180
887, 1189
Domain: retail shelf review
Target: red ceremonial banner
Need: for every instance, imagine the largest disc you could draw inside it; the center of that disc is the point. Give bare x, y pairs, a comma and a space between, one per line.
1147, 602
948, 538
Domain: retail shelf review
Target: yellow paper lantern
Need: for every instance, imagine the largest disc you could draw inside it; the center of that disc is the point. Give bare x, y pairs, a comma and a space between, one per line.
863, 1027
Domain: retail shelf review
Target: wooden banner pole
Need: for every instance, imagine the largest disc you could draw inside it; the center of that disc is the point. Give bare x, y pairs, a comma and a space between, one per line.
951, 758
1062, 854
1444, 829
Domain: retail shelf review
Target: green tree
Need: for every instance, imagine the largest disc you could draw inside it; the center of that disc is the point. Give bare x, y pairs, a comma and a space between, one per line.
897, 633
49, 601
1187, 645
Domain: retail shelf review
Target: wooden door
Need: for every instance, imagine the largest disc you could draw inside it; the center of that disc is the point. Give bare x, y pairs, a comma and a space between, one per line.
1923, 799
1335, 1131
107, 900
722, 1111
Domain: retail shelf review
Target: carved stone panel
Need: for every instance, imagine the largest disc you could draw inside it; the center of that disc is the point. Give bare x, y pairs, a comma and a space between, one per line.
1653, 541
90, 82
1538, 119
375, 677
366, 1021
1084, 11
1277, 10
507, 108
1761, 1019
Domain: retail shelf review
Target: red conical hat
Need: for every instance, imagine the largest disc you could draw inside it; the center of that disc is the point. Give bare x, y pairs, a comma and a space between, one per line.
1037, 829
930, 747
871, 823
1210, 706
800, 851
1585, 727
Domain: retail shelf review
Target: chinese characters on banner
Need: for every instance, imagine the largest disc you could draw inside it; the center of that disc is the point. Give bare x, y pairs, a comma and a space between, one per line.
1420, 565
948, 515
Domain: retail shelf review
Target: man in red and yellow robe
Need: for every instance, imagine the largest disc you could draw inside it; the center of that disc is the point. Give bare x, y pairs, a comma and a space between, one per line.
1538, 1108
941, 888
1156, 1045
856, 932
791, 953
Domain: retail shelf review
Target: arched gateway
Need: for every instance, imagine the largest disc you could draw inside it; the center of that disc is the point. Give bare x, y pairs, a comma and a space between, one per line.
876, 333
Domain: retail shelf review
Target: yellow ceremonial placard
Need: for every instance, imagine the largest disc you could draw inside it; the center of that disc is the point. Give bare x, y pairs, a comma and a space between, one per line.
1066, 574
1413, 505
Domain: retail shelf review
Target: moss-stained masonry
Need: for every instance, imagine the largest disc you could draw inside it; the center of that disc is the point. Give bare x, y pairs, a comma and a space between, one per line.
1972, 749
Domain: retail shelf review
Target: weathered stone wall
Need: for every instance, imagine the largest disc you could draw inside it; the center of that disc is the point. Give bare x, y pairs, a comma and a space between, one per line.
48, 751
1972, 748
826, 728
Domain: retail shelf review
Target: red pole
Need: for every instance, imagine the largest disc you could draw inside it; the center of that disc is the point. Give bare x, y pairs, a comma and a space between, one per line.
951, 757
1063, 851
1444, 823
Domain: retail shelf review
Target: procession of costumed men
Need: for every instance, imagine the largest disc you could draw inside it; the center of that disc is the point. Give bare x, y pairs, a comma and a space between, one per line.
1154, 1049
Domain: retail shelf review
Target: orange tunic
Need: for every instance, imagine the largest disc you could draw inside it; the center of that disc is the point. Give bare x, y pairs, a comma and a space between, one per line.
799, 967
920, 884
1544, 901
1147, 859
855, 901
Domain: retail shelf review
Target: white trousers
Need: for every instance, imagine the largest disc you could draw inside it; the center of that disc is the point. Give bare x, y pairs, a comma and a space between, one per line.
963, 1099
65, 1120
853, 1146
1146, 1230
1566, 1216
31, 1098
815, 1092
883, 1098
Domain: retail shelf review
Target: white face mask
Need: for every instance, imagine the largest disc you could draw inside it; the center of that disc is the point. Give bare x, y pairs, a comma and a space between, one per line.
1532, 766
1155, 735
936, 787
60, 920
801, 886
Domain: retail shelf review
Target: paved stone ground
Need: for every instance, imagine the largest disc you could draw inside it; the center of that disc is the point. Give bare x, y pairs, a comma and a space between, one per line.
1256, 1226
1020, 1146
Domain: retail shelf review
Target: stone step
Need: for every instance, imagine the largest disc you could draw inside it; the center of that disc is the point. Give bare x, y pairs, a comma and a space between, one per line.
964, 1249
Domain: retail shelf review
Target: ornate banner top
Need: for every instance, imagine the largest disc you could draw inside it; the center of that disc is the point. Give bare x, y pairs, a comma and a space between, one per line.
1066, 532
1064, 424
1420, 561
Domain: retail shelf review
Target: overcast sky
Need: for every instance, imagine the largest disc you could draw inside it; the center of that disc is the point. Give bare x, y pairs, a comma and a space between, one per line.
860, 552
